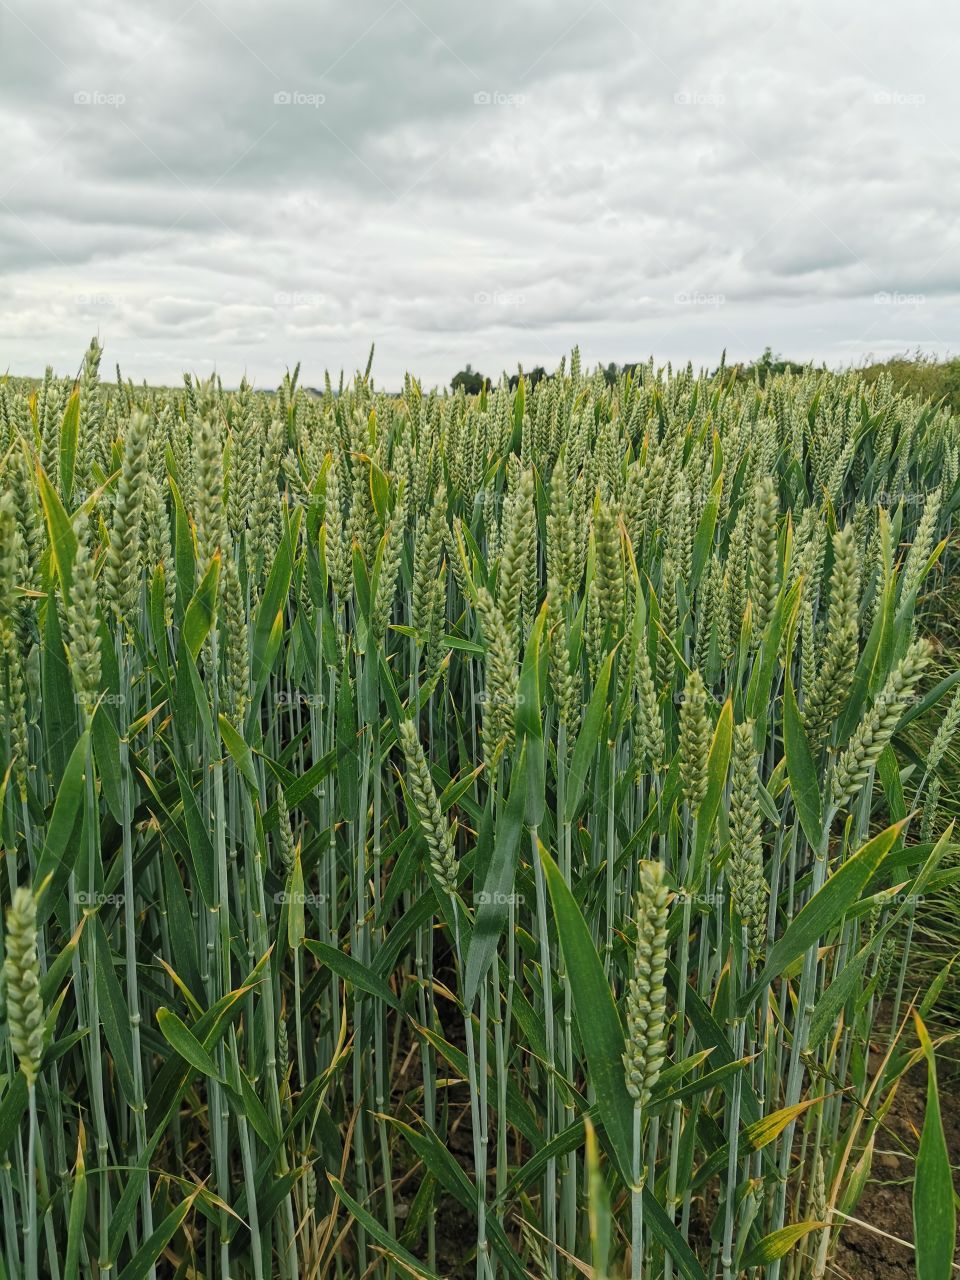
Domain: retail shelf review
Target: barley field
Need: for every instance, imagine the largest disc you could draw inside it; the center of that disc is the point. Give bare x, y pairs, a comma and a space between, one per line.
469, 836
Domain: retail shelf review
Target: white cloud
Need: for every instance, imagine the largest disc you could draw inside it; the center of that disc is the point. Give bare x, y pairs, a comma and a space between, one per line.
460, 183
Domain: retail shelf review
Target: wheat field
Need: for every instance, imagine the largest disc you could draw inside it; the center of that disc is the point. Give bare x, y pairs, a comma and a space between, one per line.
454, 835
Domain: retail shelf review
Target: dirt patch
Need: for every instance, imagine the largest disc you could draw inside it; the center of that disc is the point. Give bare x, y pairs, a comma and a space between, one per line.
887, 1200
859, 1252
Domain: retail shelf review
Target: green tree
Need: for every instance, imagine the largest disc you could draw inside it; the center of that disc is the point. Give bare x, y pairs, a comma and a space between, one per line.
471, 381
530, 377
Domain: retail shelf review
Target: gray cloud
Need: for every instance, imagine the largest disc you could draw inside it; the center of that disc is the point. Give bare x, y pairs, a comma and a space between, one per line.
242, 186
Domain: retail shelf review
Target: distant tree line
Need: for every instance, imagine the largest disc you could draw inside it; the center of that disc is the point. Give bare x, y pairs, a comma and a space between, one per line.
473, 382
917, 373
921, 375
470, 380
767, 365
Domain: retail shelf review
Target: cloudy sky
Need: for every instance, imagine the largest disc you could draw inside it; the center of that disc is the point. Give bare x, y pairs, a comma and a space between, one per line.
247, 184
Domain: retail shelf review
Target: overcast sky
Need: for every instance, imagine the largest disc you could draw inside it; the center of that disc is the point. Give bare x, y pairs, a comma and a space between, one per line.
243, 185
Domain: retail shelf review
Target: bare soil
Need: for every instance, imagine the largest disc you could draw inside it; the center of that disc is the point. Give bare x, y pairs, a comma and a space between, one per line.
887, 1201
860, 1252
